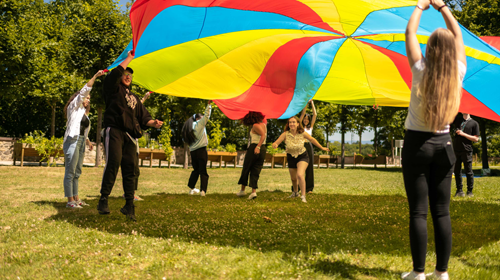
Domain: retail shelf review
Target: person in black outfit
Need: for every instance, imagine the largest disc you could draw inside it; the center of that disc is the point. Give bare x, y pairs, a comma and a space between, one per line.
124, 119
256, 153
466, 132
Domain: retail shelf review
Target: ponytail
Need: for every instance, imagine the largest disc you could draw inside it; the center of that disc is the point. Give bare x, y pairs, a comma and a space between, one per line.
187, 130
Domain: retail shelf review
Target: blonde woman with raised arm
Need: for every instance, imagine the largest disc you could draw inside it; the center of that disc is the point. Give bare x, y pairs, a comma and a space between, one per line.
428, 155
296, 154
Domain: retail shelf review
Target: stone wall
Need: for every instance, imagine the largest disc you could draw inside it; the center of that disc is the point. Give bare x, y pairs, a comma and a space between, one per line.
6, 148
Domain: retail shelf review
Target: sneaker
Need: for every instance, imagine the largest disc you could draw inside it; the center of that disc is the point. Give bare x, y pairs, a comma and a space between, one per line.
129, 211
412, 276
81, 203
137, 198
294, 194
202, 193
241, 193
102, 207
73, 204
252, 196
436, 276
470, 194
194, 191
460, 194
303, 197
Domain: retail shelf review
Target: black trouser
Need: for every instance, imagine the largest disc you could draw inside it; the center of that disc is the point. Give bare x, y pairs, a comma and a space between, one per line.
310, 167
137, 174
427, 171
466, 158
252, 165
199, 160
120, 151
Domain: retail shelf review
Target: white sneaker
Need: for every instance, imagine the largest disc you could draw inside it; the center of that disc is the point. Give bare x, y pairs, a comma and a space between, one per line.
252, 196
202, 193
73, 204
194, 191
294, 194
81, 203
303, 197
412, 276
436, 276
241, 193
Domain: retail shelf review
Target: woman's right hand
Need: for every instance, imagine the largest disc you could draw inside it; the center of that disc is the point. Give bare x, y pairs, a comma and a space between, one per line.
424, 3
437, 4
99, 73
275, 146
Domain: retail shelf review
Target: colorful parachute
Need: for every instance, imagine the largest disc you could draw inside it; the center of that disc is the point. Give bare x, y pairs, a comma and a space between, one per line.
273, 56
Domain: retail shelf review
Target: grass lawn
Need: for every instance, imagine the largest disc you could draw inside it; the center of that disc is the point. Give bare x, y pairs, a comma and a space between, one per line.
354, 226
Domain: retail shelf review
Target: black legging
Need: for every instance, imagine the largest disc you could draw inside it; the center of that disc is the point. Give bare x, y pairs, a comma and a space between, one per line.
199, 158
252, 165
427, 169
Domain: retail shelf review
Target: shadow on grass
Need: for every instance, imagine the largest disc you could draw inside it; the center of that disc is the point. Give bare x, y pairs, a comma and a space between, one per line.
376, 224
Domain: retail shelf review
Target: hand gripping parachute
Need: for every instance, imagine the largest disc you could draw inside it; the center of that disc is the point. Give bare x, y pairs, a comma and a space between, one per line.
273, 56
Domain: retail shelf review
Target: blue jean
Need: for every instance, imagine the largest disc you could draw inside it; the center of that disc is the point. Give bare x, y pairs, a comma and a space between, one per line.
74, 152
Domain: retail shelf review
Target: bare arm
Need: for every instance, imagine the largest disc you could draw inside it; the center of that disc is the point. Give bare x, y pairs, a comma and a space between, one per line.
127, 60
314, 141
146, 96
314, 113
302, 114
413, 51
473, 138
99, 73
280, 139
452, 25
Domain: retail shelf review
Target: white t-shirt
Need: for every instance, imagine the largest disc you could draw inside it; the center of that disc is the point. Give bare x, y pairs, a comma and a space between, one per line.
416, 119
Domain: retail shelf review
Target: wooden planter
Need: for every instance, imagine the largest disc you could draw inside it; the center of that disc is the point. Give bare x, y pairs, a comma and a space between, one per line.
23, 150
150, 154
379, 160
222, 157
276, 158
319, 159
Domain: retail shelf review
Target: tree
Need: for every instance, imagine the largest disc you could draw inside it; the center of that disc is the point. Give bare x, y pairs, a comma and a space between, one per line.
360, 122
328, 117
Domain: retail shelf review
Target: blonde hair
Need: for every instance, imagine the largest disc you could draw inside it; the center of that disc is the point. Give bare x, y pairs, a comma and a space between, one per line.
300, 128
441, 89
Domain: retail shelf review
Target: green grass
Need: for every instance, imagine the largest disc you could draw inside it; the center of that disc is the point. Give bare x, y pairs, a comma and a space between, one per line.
355, 226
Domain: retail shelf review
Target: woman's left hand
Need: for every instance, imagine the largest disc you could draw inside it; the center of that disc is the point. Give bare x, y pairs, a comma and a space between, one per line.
325, 149
256, 150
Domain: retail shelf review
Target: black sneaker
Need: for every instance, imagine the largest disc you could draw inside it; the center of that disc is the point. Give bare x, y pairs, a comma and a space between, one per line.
129, 211
102, 207
470, 194
460, 194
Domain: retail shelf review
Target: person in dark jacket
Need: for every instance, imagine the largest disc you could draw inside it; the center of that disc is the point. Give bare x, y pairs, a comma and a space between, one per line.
124, 119
466, 131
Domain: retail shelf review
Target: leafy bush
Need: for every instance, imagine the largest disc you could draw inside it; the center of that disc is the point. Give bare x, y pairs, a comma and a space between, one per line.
272, 151
216, 136
45, 147
231, 148
143, 143
164, 140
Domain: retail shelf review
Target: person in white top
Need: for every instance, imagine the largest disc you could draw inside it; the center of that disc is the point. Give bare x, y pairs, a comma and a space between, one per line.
428, 155
77, 130
308, 124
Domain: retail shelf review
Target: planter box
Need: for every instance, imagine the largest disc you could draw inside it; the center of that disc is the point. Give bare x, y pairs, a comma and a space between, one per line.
319, 159
222, 157
378, 160
276, 158
150, 154
23, 150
